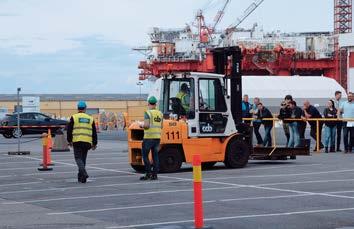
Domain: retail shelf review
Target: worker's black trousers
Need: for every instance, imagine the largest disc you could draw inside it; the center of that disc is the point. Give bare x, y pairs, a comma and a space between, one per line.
80, 153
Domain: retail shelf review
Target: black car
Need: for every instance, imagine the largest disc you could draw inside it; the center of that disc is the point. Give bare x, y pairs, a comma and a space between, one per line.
40, 123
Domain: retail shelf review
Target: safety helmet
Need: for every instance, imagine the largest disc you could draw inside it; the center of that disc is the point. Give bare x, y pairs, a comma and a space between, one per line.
152, 100
81, 105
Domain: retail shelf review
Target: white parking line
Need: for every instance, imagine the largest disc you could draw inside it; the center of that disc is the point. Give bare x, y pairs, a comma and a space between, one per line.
282, 190
26, 168
236, 217
306, 182
17, 184
246, 169
112, 195
111, 163
126, 208
282, 175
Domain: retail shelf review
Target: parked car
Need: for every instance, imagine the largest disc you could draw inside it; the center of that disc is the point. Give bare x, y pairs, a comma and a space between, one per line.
38, 121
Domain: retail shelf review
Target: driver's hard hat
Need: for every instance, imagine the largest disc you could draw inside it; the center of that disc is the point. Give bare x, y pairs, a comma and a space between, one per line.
81, 105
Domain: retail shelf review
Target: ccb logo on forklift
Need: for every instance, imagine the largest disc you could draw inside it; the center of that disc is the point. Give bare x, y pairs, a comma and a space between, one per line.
207, 129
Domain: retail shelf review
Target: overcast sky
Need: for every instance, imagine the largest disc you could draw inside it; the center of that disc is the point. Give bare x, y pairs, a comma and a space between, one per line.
84, 46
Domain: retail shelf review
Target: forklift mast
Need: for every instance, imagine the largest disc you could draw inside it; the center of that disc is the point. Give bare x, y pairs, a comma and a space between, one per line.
222, 57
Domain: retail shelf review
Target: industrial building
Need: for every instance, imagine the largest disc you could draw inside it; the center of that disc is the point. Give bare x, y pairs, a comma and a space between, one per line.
64, 105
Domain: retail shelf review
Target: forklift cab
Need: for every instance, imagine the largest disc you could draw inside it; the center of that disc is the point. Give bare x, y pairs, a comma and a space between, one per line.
204, 104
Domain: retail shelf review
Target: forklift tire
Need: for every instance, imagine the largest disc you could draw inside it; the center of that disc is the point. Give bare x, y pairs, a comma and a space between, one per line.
208, 165
170, 159
138, 168
237, 154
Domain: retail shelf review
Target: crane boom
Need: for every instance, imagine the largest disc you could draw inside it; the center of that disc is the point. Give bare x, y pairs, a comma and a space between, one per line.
246, 13
219, 15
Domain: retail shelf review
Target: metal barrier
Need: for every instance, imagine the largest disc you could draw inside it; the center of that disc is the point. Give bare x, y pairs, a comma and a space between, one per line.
317, 120
12, 127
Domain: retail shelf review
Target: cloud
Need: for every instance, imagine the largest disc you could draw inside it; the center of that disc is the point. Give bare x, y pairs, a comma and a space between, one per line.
84, 46
127, 22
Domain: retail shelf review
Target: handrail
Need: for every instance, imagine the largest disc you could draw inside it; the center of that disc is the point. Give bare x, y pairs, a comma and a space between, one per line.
317, 120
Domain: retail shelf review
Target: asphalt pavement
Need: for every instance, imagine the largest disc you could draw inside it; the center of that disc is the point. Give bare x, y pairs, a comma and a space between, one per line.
311, 192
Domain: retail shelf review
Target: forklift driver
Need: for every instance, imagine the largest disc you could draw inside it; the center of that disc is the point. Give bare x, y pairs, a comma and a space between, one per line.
184, 96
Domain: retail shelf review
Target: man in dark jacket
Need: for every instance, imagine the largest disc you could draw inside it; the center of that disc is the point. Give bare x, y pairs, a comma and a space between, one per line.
310, 113
285, 113
296, 113
264, 113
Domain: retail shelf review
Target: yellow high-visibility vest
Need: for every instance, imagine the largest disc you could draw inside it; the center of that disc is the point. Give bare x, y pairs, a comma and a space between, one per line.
181, 96
82, 131
154, 131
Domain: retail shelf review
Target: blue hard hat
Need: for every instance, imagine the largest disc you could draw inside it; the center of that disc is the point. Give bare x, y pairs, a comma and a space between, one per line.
81, 105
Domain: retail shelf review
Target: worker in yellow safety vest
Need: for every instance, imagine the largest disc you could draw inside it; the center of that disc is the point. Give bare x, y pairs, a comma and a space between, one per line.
152, 134
82, 136
184, 97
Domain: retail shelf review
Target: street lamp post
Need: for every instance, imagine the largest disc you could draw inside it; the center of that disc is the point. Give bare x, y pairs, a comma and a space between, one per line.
18, 120
18, 129
140, 84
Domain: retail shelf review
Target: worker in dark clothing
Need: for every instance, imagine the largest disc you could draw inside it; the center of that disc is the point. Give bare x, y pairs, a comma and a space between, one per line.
330, 112
246, 108
284, 114
296, 113
82, 136
310, 113
263, 113
152, 125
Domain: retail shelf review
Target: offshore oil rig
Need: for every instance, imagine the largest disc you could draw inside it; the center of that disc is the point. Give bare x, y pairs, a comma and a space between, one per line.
329, 54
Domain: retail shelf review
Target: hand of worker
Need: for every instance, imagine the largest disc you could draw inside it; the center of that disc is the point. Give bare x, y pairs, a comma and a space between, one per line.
94, 147
70, 144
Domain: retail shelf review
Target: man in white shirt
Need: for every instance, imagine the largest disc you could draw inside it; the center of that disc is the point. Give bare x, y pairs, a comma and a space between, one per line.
347, 111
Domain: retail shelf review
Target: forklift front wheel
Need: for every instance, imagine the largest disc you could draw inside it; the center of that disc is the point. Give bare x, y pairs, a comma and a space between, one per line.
237, 154
170, 159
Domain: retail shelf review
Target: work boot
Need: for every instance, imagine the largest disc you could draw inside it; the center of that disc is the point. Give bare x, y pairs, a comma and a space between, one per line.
154, 177
339, 150
146, 177
326, 149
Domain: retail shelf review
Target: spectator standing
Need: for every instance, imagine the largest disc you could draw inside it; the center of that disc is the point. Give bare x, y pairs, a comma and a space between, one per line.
330, 126
285, 113
310, 113
246, 107
347, 111
337, 104
264, 113
296, 113
256, 122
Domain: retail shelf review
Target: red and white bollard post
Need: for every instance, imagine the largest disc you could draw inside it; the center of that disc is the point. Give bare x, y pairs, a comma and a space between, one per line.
198, 193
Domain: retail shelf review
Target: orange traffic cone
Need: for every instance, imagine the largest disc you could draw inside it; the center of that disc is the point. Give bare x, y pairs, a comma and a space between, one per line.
97, 126
49, 146
45, 154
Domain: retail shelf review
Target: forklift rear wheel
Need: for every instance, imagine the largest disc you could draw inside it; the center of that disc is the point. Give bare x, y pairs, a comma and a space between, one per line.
170, 159
237, 154
208, 165
138, 168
